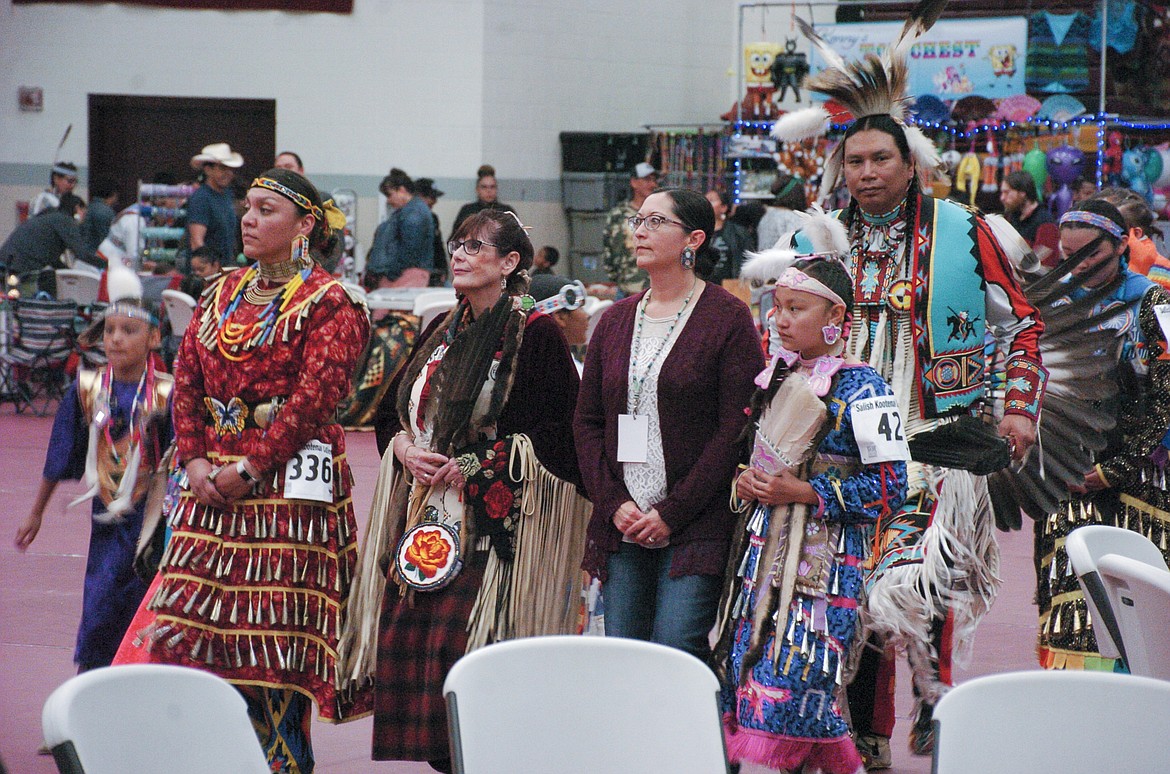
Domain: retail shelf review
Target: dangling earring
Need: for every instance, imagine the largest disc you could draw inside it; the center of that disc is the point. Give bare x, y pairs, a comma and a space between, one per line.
504, 283
300, 252
832, 333
688, 258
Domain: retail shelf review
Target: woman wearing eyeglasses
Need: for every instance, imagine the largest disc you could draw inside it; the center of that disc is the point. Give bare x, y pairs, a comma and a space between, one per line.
667, 378
476, 504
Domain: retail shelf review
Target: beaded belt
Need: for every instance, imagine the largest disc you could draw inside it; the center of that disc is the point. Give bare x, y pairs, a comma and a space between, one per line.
238, 415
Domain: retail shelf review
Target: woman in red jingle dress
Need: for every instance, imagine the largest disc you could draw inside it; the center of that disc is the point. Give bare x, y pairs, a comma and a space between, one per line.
254, 582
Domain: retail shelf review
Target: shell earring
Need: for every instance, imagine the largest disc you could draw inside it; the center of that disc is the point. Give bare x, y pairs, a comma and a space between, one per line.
832, 333
688, 258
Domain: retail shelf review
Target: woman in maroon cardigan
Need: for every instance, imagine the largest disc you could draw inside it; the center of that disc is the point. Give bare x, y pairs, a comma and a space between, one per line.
667, 379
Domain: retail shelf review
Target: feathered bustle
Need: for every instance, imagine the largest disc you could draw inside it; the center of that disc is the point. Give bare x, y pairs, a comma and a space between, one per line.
765, 267
827, 234
1018, 251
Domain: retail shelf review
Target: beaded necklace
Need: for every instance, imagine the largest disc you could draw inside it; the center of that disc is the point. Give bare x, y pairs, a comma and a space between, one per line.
237, 341
638, 380
103, 415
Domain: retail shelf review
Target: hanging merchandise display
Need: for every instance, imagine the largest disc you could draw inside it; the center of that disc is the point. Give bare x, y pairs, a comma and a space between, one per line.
756, 104
966, 90
968, 174
1036, 165
788, 70
163, 225
1065, 165
693, 156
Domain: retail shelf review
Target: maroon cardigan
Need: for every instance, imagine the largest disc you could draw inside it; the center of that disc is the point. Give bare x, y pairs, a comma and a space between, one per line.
704, 388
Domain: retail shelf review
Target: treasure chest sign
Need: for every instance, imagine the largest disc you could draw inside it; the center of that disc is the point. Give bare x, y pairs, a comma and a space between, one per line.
954, 59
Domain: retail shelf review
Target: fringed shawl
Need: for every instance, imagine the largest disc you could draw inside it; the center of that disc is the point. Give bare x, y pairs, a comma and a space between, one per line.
538, 592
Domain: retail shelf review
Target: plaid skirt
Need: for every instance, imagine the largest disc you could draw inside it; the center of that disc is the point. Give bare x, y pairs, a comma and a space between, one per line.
418, 642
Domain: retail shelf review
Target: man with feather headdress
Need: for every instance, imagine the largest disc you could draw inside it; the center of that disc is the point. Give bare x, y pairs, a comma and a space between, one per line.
917, 261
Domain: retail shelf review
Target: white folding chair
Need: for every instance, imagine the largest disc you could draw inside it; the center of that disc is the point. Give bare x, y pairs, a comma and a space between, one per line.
1085, 547
432, 297
583, 705
180, 309
1071, 722
1140, 596
150, 717
428, 312
79, 286
595, 317
357, 290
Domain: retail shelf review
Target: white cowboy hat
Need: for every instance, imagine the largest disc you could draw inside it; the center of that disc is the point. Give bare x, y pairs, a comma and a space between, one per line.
217, 153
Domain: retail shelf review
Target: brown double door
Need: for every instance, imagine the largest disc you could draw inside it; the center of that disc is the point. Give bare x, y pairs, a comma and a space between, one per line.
135, 138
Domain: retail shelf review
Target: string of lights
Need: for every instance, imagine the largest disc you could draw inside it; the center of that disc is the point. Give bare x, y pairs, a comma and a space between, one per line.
1103, 121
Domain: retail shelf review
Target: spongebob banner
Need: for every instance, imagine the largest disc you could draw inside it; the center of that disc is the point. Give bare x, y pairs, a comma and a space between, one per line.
952, 60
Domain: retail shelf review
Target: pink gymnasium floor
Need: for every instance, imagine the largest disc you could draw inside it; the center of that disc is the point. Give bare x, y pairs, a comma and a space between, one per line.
40, 601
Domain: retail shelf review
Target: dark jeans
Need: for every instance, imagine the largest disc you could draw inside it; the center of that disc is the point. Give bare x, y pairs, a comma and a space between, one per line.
643, 602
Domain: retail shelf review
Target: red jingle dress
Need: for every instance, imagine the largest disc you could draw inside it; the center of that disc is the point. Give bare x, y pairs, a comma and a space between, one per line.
257, 593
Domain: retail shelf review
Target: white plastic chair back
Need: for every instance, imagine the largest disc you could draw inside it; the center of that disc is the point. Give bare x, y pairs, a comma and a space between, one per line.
150, 717
86, 268
180, 309
80, 287
427, 313
1071, 722
581, 705
1085, 547
357, 290
595, 317
1140, 595
431, 297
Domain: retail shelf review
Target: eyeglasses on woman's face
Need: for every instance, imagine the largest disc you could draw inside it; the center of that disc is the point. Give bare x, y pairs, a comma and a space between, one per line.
470, 246
653, 223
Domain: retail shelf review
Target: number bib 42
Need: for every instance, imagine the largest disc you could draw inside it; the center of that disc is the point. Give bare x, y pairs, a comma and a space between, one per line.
309, 474
877, 427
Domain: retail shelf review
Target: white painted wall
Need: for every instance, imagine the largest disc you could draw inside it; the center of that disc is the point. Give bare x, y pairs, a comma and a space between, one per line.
433, 86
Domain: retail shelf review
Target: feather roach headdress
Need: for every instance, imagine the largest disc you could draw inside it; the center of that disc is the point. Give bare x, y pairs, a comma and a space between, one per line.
826, 233
871, 86
125, 291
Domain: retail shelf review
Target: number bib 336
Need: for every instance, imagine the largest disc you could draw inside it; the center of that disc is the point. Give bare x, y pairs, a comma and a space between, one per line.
309, 474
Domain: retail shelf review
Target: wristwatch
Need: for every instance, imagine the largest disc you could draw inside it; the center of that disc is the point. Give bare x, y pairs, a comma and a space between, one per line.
242, 469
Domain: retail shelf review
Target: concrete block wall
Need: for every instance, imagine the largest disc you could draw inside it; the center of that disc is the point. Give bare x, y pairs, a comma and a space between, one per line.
435, 87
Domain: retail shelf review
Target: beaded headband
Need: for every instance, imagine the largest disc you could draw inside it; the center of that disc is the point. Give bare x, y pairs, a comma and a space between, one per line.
330, 216
1093, 219
795, 279
131, 310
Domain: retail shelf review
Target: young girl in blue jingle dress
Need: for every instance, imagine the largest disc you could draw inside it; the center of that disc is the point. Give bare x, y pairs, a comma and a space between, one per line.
789, 613
112, 427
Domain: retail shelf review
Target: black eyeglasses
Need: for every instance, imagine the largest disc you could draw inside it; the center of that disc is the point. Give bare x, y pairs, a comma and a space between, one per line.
470, 246
653, 223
